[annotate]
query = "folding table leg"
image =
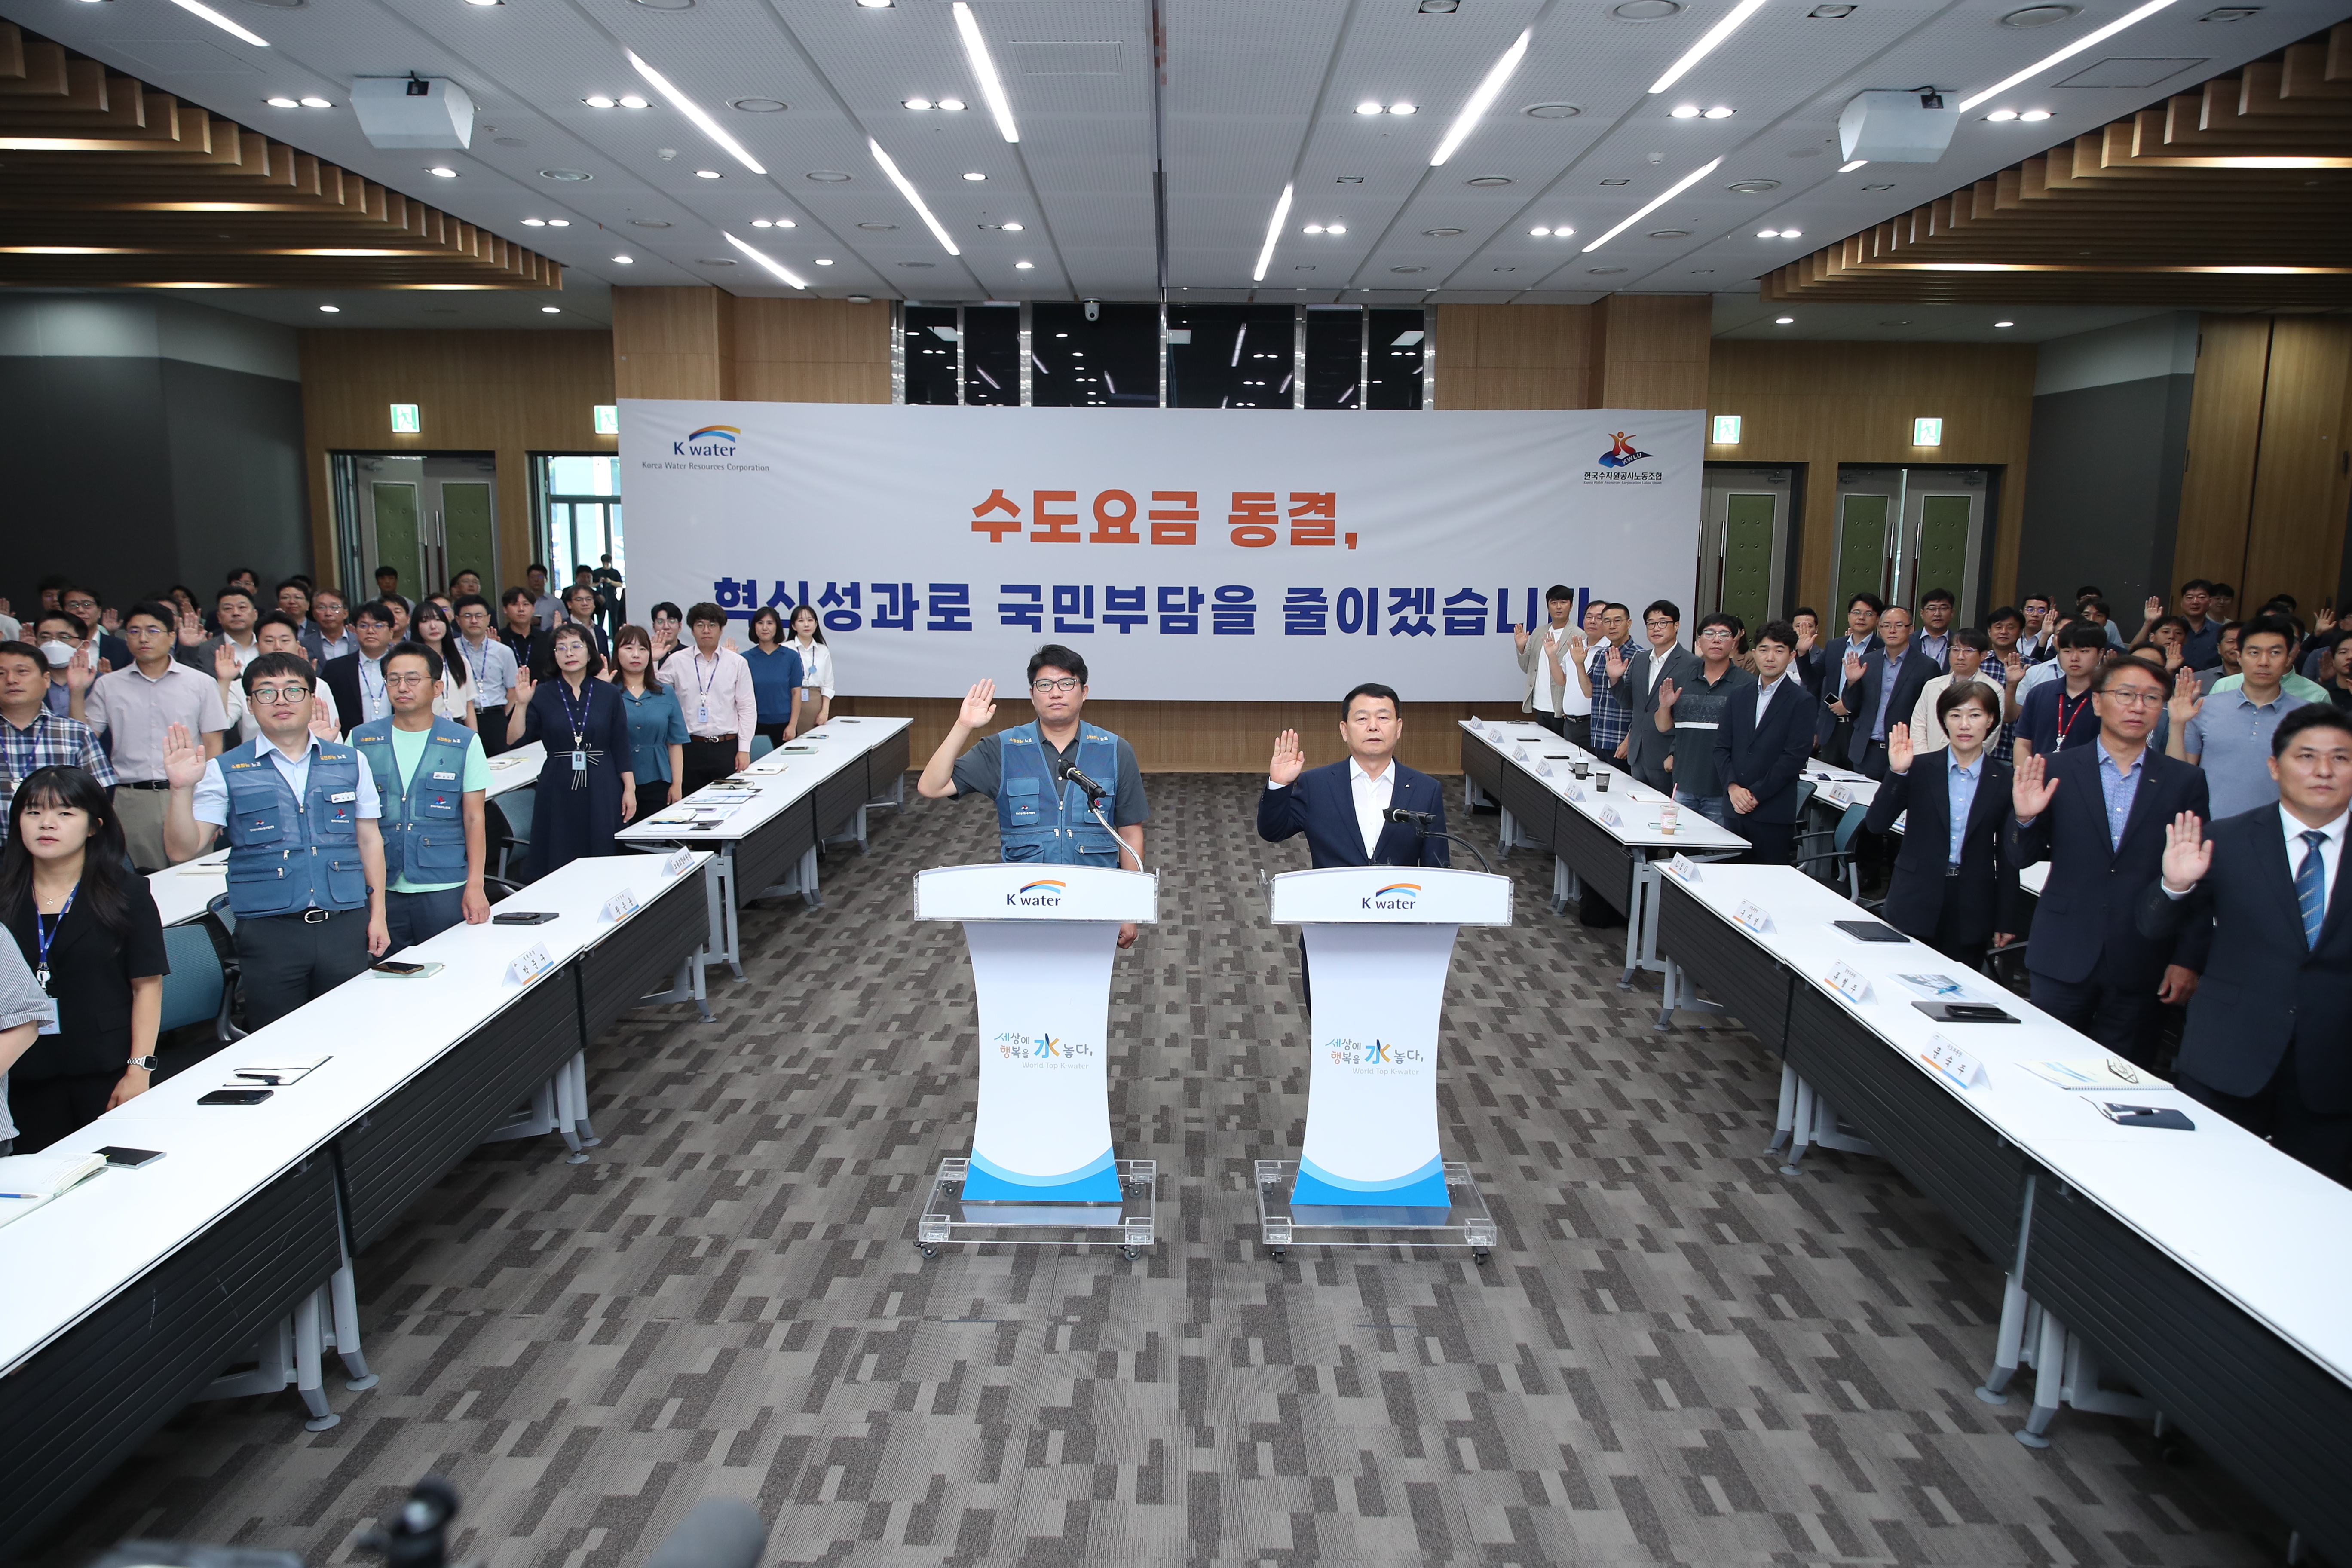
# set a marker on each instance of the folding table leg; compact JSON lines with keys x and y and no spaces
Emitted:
{"x":2009,"y":1342}
{"x":2048,"y":1382}
{"x":578,"y":1067}
{"x":309,"y":1382}
{"x":567,"y":1114}
{"x":1801,"y":1128}
{"x":343,"y":1290}
{"x":1784,"y":1119}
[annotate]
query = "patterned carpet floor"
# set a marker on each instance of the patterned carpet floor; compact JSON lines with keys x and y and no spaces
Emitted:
{"x":1675,"y":1355}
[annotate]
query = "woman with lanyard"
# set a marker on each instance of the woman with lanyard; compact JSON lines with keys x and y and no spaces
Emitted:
{"x":586,"y":790}
{"x":775,"y":675}
{"x":432,"y":627}
{"x":89,"y":929}
{"x":815,"y":704}
{"x":656,"y":723}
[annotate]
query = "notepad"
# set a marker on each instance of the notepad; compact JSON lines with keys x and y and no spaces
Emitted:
{"x":28,"y":1180}
{"x":281,"y":1072}
{"x":2095,"y":1072}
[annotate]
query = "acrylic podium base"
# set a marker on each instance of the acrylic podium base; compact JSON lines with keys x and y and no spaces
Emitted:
{"x":949,"y":1221}
{"x":1465,"y":1221}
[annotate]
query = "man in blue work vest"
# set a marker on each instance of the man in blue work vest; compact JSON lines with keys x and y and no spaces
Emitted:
{"x":1033,"y":773}
{"x":305,"y":859}
{"x":432,"y":777}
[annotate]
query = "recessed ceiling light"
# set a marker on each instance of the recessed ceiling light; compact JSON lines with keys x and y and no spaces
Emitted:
{"x":983,"y":71}
{"x":1368,"y":107}
{"x":283,"y":102}
{"x":534,"y":223}
{"x":1439,"y":7}
{"x":1273,"y":233}
{"x":625,"y":260}
{"x":1336,"y":228}
{"x":2039,"y":15}
{"x":1487,"y":182}
{"x":1753,"y":187}
{"x":874,"y":5}
{"x":1021,"y":266}
{"x":1719,"y":113}
{"x":222,"y":23}
{"x":442,"y":172}
{"x":759,"y":105}
{"x":1551,"y":112}
{"x":485,"y":2}
{"x":1482,"y":99}
{"x":1404,"y":109}
{"x":1706,"y":44}
{"x":547,"y":310}
{"x":1768,"y":234}
{"x":707,"y":175}
{"x":1850,"y":168}
{"x":762,"y":223}
{"x":1682,"y":112}
{"x":1783,"y":321}
{"x":2004,"y":323}
{"x":333,"y":309}
{"x":2034,"y":116}
{"x":918,"y":103}
{"x":648,"y":223}
{"x":1541,"y":231}
{"x":1670,"y":234}
{"x":952,"y":105}
{"x":1792,"y":234}
{"x":1441,"y":233}
{"x":973,"y":174}
{"x":1312,"y":228}
{"x":631,"y":101}
{"x":1647,"y":10}
{"x":694,"y":111}
{"x":559,"y":223}
{"x":2001,"y":116}
{"x":1655,"y":203}
{"x":597,"y":100}
{"x":825,"y":261}
{"x":827,"y":176}
{"x":1011,"y":228}
{"x":568,"y":176}
{"x":316,"y":103}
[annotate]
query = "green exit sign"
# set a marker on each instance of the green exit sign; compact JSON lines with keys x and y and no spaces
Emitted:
{"x":404,"y":421}
{"x":608,"y":419}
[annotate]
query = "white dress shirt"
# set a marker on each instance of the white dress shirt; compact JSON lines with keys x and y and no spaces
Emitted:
{"x":2331,"y":849}
{"x":816,"y":666}
{"x":1764,"y":695}
{"x":1371,"y":796}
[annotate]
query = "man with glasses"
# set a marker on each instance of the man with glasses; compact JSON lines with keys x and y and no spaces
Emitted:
{"x":33,"y":736}
{"x":236,"y":608}
{"x":83,"y":603}
{"x":2098,"y":813}
{"x":713,"y":684}
{"x":357,"y":680}
{"x":1690,"y":712}
{"x":1041,"y":812}
{"x":135,"y":708}
{"x":1635,"y":682}
{"x":433,"y":778}
{"x":490,"y":666}
{"x":2228,"y":734}
{"x":305,"y":862}
{"x":328,"y":635}
{"x":1610,"y":721}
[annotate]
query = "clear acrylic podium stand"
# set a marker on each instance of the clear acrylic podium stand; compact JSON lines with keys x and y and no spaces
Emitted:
{"x":1379,"y":941}
{"x":1041,"y":1172}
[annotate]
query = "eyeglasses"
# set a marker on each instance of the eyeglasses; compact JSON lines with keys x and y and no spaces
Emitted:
{"x":150,"y":630}
{"x":2134,"y":696}
{"x":407,"y":679}
{"x":275,"y":694}
{"x":1068,"y":683}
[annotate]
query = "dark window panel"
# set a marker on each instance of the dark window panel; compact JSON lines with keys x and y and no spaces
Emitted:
{"x":1239,"y":356}
{"x":1112,"y":361}
{"x":992,"y":354}
{"x":1335,"y":364}
{"x":1397,"y":343}
{"x":932,"y":353}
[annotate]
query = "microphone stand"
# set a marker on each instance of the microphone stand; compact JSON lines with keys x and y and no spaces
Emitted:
{"x":1420,"y":821}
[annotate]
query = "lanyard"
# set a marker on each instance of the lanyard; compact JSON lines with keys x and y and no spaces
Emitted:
{"x":2066,"y":720}
{"x":587,"y":706}
{"x":45,"y":934}
{"x":700,"y":685}
{"x":480,"y":665}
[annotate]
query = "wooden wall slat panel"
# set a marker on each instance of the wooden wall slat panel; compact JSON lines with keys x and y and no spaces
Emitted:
{"x":2225,"y":422}
{"x":1652,"y":350}
{"x":506,"y":393}
{"x":673,"y":342}
{"x":1208,"y":737}
{"x":2295,"y":538}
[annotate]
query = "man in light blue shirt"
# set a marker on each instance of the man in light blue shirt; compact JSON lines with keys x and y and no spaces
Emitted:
{"x":2229,"y":732}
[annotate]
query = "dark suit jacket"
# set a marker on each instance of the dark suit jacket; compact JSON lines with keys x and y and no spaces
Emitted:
{"x":1645,"y":756}
{"x":2264,"y":989}
{"x":1766,"y":758}
{"x":1826,"y":675}
{"x":2086,"y":921}
{"x":1320,"y":805}
{"x":1985,"y":892}
{"x":342,"y":678}
{"x":1915,"y":670}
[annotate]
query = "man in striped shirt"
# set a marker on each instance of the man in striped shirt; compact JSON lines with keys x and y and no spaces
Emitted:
{"x":33,"y":737}
{"x":1612,"y":719}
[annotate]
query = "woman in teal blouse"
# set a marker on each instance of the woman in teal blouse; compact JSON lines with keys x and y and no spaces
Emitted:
{"x":656,"y":723}
{"x":775,"y":675}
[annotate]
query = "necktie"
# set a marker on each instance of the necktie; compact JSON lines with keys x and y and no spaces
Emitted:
{"x":2311,"y":888}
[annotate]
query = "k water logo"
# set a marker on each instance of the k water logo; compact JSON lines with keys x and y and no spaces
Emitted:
{"x":1395,"y":895}
{"x":711,"y":441}
{"x":1041,"y":1047}
{"x":1044,"y":895}
{"x":1617,"y":464}
{"x":1379,"y":1054}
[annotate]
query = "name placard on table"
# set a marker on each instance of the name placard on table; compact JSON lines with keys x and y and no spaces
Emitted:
{"x":679,"y":862}
{"x":621,"y":905}
{"x":530,"y":965}
{"x":1848,"y":983}
{"x":1753,"y":917}
{"x":1953,"y":1063}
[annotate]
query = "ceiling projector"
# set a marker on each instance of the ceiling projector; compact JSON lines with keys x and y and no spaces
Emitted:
{"x":413,"y":112}
{"x":1897,"y":127}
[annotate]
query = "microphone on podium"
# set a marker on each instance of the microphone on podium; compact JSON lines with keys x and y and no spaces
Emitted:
{"x":1421,"y":819}
{"x":1093,"y":791}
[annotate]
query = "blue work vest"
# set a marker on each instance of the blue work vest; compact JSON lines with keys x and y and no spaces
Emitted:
{"x":286,"y":853}
{"x":424,"y":822}
{"x":1034,"y":821}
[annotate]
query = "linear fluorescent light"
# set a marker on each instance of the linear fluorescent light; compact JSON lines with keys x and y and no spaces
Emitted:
{"x":1706,"y":45}
{"x":914,"y":197}
{"x":1265,"y":255}
{"x":688,"y":108}
{"x":1483,"y":99}
{"x":1655,"y":203}
{"x":222,"y":23}
{"x":763,"y":258}
{"x":983,"y":71}
{"x":2098,"y":36}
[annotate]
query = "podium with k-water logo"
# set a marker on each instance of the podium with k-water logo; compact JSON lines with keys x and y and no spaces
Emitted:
{"x":1379,"y":941}
{"x":1041,"y":1171}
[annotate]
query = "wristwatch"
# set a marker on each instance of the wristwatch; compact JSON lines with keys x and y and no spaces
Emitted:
{"x":149,"y":1063}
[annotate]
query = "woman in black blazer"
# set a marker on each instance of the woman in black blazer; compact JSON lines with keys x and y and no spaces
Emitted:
{"x":88,"y":926}
{"x":1954,"y":899}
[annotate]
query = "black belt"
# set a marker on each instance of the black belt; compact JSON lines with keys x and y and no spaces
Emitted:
{"x":726,"y":740}
{"x":313,"y":916}
{"x":143,"y":783}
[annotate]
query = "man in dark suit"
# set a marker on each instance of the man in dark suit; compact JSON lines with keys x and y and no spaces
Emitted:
{"x":1343,"y":808}
{"x":1635,"y":683}
{"x":1860,"y":640}
{"x":356,"y":679}
{"x":2096,"y":812}
{"x":1883,"y":690}
{"x":2268,"y":1038}
{"x":1761,"y":746}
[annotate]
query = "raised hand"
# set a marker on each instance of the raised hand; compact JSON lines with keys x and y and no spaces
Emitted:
{"x":183,"y":759}
{"x":1898,"y":749}
{"x":1667,"y":692}
{"x":2032,"y":789}
{"x":320,"y":725}
{"x":979,"y":706}
{"x":225,"y":664}
{"x":2187,"y":700}
{"x":82,"y":669}
{"x":1853,"y":666}
{"x":2155,"y":606}
{"x":1804,"y":643}
{"x":191,"y":629}
{"x":2188,"y":854}
{"x":2324,"y":618}
{"x":1576,"y":649}
{"x":1616,"y":664}
{"x":1520,"y":640}
{"x":110,"y":619}
{"x":1288,"y":759}
{"x":523,"y":687}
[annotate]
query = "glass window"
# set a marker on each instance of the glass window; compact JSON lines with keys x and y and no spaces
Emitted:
{"x":1230,"y":357}
{"x":1397,"y":355}
{"x":1112,"y":361}
{"x":932,"y":353}
{"x":992,"y":354}
{"x":579,"y":501}
{"x":1334,"y":357}
{"x":585,"y":475}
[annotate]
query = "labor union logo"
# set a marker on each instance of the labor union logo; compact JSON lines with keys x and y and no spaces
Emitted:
{"x":1621,"y":453}
{"x":711,"y":441}
{"x":1616,"y":465}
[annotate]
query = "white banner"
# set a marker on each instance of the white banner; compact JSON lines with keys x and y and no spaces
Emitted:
{"x":1187,"y":553}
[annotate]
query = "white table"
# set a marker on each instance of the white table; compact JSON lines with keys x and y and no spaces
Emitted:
{"x":183,"y":892}
{"x":2206,"y":1264}
{"x":800,"y":795}
{"x":1531,"y":774}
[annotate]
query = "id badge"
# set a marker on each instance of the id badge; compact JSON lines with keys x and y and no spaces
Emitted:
{"x":702,"y":714}
{"x":578,"y":761}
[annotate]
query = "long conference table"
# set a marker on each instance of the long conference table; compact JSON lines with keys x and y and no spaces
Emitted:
{"x":127,"y":1296}
{"x":2206,"y":1267}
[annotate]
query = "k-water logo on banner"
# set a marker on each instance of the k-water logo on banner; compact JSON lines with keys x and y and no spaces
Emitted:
{"x":1617,"y":464}
{"x":1043,"y":1049}
{"x":1379,"y":1054}
{"x":719,"y":441}
{"x":1395,"y":895}
{"x":1042,"y":895}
